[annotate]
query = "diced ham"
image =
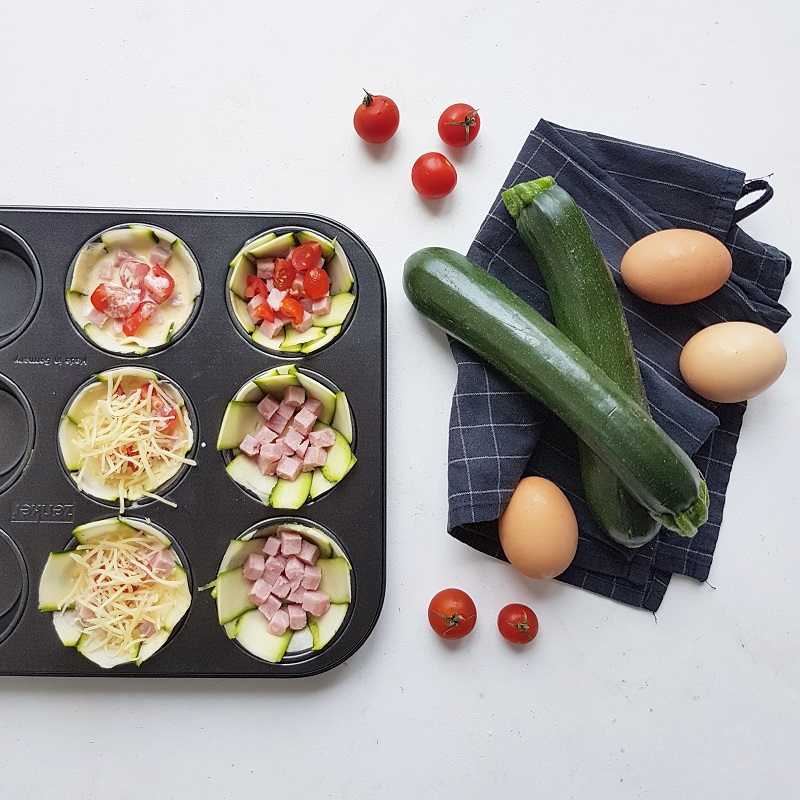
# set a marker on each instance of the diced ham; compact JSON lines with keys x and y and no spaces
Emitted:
{"x":296,"y":595}
{"x":277,"y":560}
{"x":250,"y":445}
{"x":304,"y":323}
{"x":268,"y":406}
{"x":116,"y":326}
{"x":257,"y":301}
{"x":294,"y":396}
{"x":176,"y":300}
{"x":291,"y":543}
{"x":309,"y":552}
{"x":294,"y":439}
{"x":281,"y":587}
{"x":162,"y":562}
{"x":264,"y":435}
{"x":123,"y":255}
{"x":265,"y":268}
{"x":253,"y":566}
{"x":301,"y":450}
{"x":267,"y":466}
{"x":307,"y":304}
{"x":316,"y":603}
{"x":279,"y":623}
{"x":146,"y":628}
{"x":84,"y":613}
{"x":273,"y":451}
{"x":297,"y":285}
{"x":304,"y":420}
{"x":314,"y":457}
{"x":313,"y":405}
{"x":271,"y":573}
{"x":270,"y":606}
{"x":269,"y":330}
{"x":106,"y":271}
{"x":289,"y":467}
{"x":277,"y":423}
{"x":321,"y":306}
{"x":324,"y":437}
{"x":286,"y":410}
{"x":297,"y":617}
{"x":296,"y":583}
{"x":96,"y":317}
{"x":159,"y":256}
{"x":275,"y":298}
{"x":312,"y":578}
{"x":259,"y":591}
{"x":272,"y":546}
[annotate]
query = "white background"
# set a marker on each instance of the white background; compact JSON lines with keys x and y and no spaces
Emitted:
{"x":249,"y":105}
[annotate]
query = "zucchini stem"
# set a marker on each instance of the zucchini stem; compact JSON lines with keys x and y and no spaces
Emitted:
{"x":520,"y":195}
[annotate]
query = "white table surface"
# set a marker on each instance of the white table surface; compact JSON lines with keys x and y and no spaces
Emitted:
{"x":248,"y":106}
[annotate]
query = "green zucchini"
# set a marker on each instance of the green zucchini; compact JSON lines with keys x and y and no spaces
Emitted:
{"x":587,"y":308}
{"x":489,"y":318}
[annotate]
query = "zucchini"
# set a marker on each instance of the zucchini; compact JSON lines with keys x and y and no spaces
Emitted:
{"x":489,"y":318}
{"x":587,"y":308}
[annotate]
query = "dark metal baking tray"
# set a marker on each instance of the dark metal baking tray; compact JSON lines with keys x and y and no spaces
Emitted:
{"x":44,"y":358}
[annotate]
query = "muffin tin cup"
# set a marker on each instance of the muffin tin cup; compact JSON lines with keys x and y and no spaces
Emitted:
{"x":20,"y":285}
{"x":49,"y":359}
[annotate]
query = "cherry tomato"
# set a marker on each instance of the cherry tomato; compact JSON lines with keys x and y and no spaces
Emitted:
{"x":264,"y":312}
{"x":132,"y":273}
{"x":306,"y":256}
{"x":518,"y":623}
{"x":316,"y":283}
{"x":255,"y":285}
{"x":115,"y":301}
{"x":459,"y":125}
{"x":452,"y":613}
{"x":433,"y":176}
{"x":283,"y":277}
{"x":145,"y":310}
{"x":377,"y":118}
{"x":159,"y":283}
{"x":292,"y":309}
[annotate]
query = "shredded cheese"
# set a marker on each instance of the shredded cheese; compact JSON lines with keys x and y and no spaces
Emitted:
{"x":120,"y":602}
{"x":135,"y":438}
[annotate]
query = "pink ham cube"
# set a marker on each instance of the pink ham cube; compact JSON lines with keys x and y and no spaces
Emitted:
{"x":250,"y":445}
{"x":291,"y":543}
{"x":259,"y":592}
{"x":253,"y":566}
{"x":268,"y":406}
{"x":297,"y":617}
{"x":286,"y":410}
{"x":313,"y":405}
{"x":270,"y":329}
{"x":272,"y":451}
{"x":312,"y":578}
{"x":277,"y":423}
{"x":265,"y":268}
{"x":309,"y":553}
{"x":304,"y":420}
{"x":316,"y":603}
{"x":271,"y":573}
{"x":277,"y":561}
{"x":295,"y":583}
{"x":294,"y":396}
{"x":264,"y":435}
{"x":314,"y":457}
{"x":294,"y":439}
{"x":324,"y":437}
{"x":321,"y":306}
{"x":307,"y":304}
{"x":253,"y":305}
{"x":289,"y":467}
{"x":281,"y":587}
{"x":296,"y":595}
{"x":279,"y":623}
{"x":162,"y":562}
{"x":275,"y":298}
{"x":272,"y":546}
{"x":270,"y":606}
{"x":304,"y":323}
{"x":294,"y":568}
{"x":266,"y":465}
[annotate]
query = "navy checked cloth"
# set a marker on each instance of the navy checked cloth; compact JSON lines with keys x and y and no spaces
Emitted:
{"x":498,"y":434}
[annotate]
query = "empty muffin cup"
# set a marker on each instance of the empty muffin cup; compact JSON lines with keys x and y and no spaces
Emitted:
{"x":20,"y":285}
{"x":13,"y":585}
{"x":16,"y":432}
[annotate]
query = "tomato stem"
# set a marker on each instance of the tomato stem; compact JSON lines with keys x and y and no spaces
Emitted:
{"x":367,"y":101}
{"x":467,"y":123}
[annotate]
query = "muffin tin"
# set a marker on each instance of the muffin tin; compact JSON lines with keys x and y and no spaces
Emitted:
{"x":44,"y":359}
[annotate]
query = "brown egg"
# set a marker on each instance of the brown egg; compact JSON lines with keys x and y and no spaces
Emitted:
{"x":538,"y":529}
{"x":676,"y":266}
{"x":732,"y":361}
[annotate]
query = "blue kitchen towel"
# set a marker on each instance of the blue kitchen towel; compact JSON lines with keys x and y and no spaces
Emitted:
{"x":499,"y":434}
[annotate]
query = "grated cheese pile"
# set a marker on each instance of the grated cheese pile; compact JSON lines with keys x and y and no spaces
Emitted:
{"x":117,"y":591}
{"x":129,"y":440}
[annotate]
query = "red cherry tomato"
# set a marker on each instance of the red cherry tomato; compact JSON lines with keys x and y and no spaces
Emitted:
{"x":146,"y":309}
{"x":159,"y":283}
{"x":132,"y":274}
{"x":377,"y":118}
{"x":306,"y":256}
{"x":452,"y":613}
{"x":115,"y":301}
{"x":316,"y":283}
{"x":433,"y":176}
{"x":459,"y":125}
{"x":283,"y":277}
{"x":264,"y":312}
{"x":518,"y":623}
{"x":292,"y":309}
{"x":255,"y":285}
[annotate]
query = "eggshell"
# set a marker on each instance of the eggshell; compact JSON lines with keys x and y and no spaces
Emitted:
{"x":732,"y":361}
{"x":538,"y":529}
{"x":676,"y":266}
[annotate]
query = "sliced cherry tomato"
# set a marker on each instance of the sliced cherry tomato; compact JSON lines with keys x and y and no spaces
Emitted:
{"x":283,"y":277}
{"x":459,"y":125}
{"x":255,"y":285}
{"x":264,"y":312}
{"x":377,"y":118}
{"x":131,"y":451}
{"x":316,"y":283}
{"x":159,"y":283}
{"x":452,"y":613}
{"x":132,"y":274}
{"x":292,"y":309}
{"x":145,"y":310}
{"x":433,"y":176}
{"x":115,"y":301}
{"x":518,"y":623}
{"x":306,"y":256}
